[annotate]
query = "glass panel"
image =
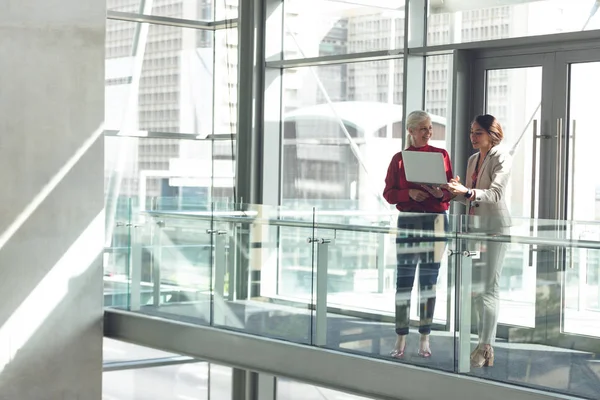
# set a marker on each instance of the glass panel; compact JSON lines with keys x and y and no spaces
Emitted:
{"x":342,"y":125}
{"x":184,"y":381}
{"x":582,"y":286}
{"x":224,"y":9}
{"x":258,"y":287}
{"x":162,"y":80}
{"x":582,"y":277}
{"x":315,"y":28}
{"x":543,"y":358}
{"x":383,"y":282}
{"x":203,"y":10}
{"x":226,"y":80}
{"x":457,"y":21}
{"x":176,"y":265}
{"x":117,"y":253}
{"x":514,"y":98}
{"x":183,"y":174}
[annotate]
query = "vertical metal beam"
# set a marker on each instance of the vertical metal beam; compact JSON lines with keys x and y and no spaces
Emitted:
{"x":250,"y":385}
{"x":267,"y":387}
{"x":251,"y":69}
{"x":220,"y":262}
{"x":135,"y":267}
{"x":238,"y":384}
{"x":321,"y":308}
{"x":415,"y":33}
{"x":464,"y":334}
{"x":250,"y":100}
{"x":460,"y":115}
{"x":272,"y":144}
{"x":156,"y":235}
{"x":381,"y":247}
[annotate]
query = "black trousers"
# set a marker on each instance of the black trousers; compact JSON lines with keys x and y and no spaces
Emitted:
{"x":416,"y":248}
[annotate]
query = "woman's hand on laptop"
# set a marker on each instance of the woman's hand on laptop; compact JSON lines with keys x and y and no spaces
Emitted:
{"x":417,"y":195}
{"x":435,"y":191}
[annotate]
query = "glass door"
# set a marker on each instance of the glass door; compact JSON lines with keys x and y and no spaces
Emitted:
{"x":576,"y":89}
{"x":546,"y":105}
{"x":514,"y":90}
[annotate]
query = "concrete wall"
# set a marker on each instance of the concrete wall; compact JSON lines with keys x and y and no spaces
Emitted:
{"x":51,"y":198}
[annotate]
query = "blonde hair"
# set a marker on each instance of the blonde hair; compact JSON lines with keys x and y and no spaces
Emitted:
{"x":412,"y":122}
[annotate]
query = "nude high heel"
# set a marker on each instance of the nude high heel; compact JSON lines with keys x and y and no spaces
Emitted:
{"x":483,"y":356}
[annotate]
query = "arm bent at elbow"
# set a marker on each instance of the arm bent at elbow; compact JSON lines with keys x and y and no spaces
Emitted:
{"x":500,"y":176}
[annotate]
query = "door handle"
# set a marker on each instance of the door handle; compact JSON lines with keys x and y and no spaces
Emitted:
{"x":559,"y":145}
{"x":573,"y":147}
{"x":536,"y":137}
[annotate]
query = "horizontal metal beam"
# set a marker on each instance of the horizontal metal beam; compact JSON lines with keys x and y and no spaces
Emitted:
{"x":167,"y":135}
{"x":249,"y":217}
{"x":224,"y":24}
{"x":150,"y":363}
{"x":370,"y":377}
{"x":180,"y":22}
{"x":527,"y":44}
{"x":518,"y":45}
{"x":378,"y":55}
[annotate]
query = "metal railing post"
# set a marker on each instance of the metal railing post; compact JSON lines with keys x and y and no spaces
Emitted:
{"x":156,"y":233}
{"x":321,"y":307}
{"x":135,"y":258}
{"x":464,"y":334}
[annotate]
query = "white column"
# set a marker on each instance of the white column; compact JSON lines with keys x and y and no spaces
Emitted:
{"x":51,"y":212}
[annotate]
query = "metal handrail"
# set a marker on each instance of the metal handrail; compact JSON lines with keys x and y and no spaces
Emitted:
{"x":246,"y":217}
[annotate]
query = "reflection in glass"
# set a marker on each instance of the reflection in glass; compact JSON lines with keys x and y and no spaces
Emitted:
{"x":456,"y":21}
{"x":582,"y":273}
{"x":342,"y":123}
{"x":513,"y":96}
{"x":438,"y":82}
{"x":162,"y":79}
{"x":185,"y":174}
{"x":317,"y":28}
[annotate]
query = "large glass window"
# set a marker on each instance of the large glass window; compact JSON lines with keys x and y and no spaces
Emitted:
{"x":342,"y":124}
{"x":315,"y":28}
{"x":170,"y":120}
{"x":159,"y":78}
{"x":456,"y":21}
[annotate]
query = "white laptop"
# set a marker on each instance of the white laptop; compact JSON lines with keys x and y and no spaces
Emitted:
{"x":424,"y":167}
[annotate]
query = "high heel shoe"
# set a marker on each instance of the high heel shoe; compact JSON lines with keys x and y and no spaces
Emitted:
{"x":482,"y":357}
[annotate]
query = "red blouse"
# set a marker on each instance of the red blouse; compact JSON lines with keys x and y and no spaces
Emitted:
{"x":397,"y":187}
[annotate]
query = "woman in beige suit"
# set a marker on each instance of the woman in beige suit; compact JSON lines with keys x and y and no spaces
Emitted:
{"x":488,"y":172}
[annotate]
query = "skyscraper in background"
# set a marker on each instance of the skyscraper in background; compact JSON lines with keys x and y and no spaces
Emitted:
{"x":188,"y":85}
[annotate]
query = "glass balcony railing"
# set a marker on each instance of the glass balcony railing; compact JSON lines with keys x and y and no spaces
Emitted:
{"x":351,"y":281}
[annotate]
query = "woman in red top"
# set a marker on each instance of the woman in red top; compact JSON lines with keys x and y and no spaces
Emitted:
{"x":412,"y":250}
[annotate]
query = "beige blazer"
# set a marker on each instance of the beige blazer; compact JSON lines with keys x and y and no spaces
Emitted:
{"x":489,"y":204}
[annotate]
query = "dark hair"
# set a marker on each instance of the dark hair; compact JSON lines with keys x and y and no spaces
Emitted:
{"x":492,"y":126}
